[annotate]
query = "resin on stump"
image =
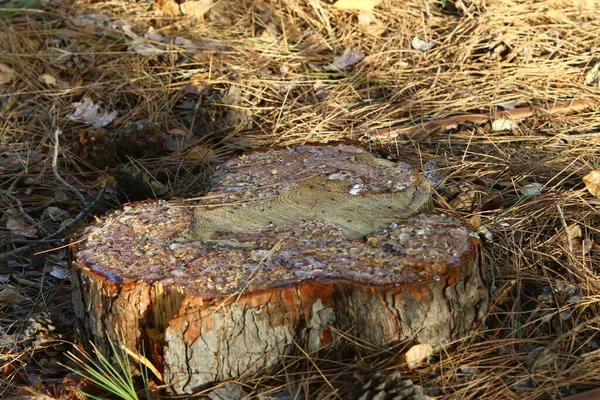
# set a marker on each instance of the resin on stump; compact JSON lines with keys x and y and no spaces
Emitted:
{"x":289,"y":247}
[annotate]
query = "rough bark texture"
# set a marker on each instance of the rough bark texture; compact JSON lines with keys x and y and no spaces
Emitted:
{"x":290,"y":247}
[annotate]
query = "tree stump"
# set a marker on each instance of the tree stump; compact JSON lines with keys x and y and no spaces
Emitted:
{"x":289,"y":248}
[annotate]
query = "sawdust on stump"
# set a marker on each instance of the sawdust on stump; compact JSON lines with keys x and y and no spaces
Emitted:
{"x":291,"y":247}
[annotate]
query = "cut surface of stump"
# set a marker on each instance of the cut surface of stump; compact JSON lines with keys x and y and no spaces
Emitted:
{"x":289,"y":248}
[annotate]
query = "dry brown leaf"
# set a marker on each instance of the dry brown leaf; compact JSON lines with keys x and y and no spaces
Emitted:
{"x":592,"y":78}
{"x":178,"y":132}
{"x":503,"y":294}
{"x":584,"y":246}
{"x":575,"y":231}
{"x":146,"y":49}
{"x":47,"y":79}
{"x":59,"y":272}
{"x":362,"y":5}
{"x":475,"y":221}
{"x":196,"y":9}
{"x":504,"y":125}
{"x":532,"y":189}
{"x":345,"y":61}
{"x":11,"y":295}
{"x":200,"y":153}
{"x":592,"y":183}
{"x":15,"y":159}
{"x":91,"y":114}
{"x":421,"y":45}
{"x":6,"y":74}
{"x":18,"y":226}
{"x":417,"y":354}
{"x":168,"y":7}
{"x":580,"y":245}
{"x":365,"y":17}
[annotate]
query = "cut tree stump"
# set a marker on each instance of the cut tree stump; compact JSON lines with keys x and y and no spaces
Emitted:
{"x":290,"y":248}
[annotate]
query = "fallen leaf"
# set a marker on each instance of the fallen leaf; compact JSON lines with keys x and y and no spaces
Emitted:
{"x":365,"y":16}
{"x":507,"y":106}
{"x":18,"y":226}
{"x":47,"y":79}
{"x":201,"y":153}
{"x":503,"y":294}
{"x":544,"y":356}
{"x":314,"y":39}
{"x":178,"y":132}
{"x":584,"y":246}
{"x":503,"y":125}
{"x":55,"y":214}
{"x":168,"y":7}
{"x":59,"y":272}
{"x":475,"y":221}
{"x":532,"y":189}
{"x":11,"y":295}
{"x":592,"y":78}
{"x":577,"y":242}
{"x":157,"y":188}
{"x":321,"y":90}
{"x":17,"y":158}
{"x":345,"y":61}
{"x":362,"y":5}
{"x":196,"y":9}
{"x":592,"y":183}
{"x":434,"y":175}
{"x":7,"y":74}
{"x":102,"y":20}
{"x":421,"y":45}
{"x":417,"y":354}
{"x":91,"y":114}
{"x":146,"y":49}
{"x":575,"y":231}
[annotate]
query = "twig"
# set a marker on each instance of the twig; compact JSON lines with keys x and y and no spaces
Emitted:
{"x":558,"y":108}
{"x":591,"y":135}
{"x":65,"y":228}
{"x":36,"y":241}
{"x":88,"y":207}
{"x":15,"y":252}
{"x":59,"y":178}
{"x":569,"y":242}
{"x":575,"y":329}
{"x":86,"y":211}
{"x":565,"y":227}
{"x":29,"y":190}
{"x":28,"y":218}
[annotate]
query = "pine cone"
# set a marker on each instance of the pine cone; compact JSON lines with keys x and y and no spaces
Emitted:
{"x":388,"y":387}
{"x":141,"y":139}
{"x":96,"y":147}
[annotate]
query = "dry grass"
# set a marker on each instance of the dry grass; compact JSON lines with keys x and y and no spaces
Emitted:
{"x":257,"y":78}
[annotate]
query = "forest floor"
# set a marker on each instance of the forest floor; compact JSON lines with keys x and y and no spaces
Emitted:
{"x":106,"y":102}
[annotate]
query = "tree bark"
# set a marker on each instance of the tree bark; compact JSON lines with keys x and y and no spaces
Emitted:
{"x":290,"y":248}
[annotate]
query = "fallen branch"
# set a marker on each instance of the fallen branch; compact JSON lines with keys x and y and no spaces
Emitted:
{"x":555,"y":342}
{"x":558,"y":108}
{"x":64,"y":229}
{"x":59,"y":178}
{"x":88,"y":207}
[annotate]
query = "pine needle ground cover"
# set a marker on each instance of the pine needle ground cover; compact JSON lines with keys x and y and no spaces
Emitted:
{"x":105,"y":102}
